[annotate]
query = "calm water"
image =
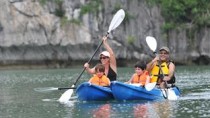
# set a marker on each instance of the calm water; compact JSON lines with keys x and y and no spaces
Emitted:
{"x":19,"y":98}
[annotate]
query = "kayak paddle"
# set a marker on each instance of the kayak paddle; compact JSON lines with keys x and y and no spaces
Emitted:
{"x":150,"y":86}
{"x":116,"y":21}
{"x":152,"y":43}
{"x":48,"y":89}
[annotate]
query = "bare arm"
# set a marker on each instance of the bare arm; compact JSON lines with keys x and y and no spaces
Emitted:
{"x":109,"y":82}
{"x":129,"y":81}
{"x":147,"y":80}
{"x":90,"y":80}
{"x":88,"y":69}
{"x":113,"y":62}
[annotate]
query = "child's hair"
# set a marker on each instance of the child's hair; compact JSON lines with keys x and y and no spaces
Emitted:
{"x":100,"y":68}
{"x":140,"y":65}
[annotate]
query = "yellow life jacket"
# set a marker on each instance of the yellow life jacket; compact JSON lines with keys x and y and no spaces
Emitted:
{"x":103,"y":81}
{"x":155,"y":72}
{"x":140,"y":79}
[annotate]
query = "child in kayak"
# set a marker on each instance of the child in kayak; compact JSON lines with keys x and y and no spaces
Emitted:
{"x":141,"y":75}
{"x":100,"y":78}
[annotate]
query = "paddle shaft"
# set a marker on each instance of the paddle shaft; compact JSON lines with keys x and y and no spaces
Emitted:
{"x":161,"y":71}
{"x":166,"y":84}
{"x":64,"y":88}
{"x":168,"y":94}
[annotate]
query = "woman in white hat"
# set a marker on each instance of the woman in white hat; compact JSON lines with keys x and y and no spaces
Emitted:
{"x":108,"y":59}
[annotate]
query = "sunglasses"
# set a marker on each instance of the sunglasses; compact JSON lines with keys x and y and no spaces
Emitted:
{"x":163,"y":52}
{"x":104,"y":57}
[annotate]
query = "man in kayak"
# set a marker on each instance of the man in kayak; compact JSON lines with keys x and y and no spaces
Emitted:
{"x":162,"y":69}
{"x":141,"y":75}
{"x":108,"y":59}
{"x":99,"y":78}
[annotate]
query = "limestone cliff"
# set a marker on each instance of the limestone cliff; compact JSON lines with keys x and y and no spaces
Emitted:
{"x":62,"y":32}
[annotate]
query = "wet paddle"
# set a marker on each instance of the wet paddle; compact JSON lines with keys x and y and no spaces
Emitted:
{"x":116,"y":21}
{"x":150,"y":86}
{"x":167,"y":93}
{"x":48,"y":89}
{"x":152,"y":43}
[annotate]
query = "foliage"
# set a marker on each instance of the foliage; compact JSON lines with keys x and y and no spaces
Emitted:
{"x":65,"y":21}
{"x":128,"y":16}
{"x":59,"y":11}
{"x":93,"y":6}
{"x":130,"y":39}
{"x":42,"y":2}
{"x":167,"y":26}
{"x":178,"y":12}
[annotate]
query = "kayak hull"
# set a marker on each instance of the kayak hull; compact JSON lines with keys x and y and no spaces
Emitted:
{"x":122,"y":91}
{"x":90,"y":92}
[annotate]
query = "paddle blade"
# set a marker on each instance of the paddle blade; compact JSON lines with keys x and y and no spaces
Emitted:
{"x":151,"y":42}
{"x":135,"y":84}
{"x":116,"y":20}
{"x":150,"y":86}
{"x":169,"y":94}
{"x":65,"y":97}
{"x":172,"y":95}
{"x":45,"y":89}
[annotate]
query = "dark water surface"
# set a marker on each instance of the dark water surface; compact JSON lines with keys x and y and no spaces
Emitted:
{"x":21,"y":96}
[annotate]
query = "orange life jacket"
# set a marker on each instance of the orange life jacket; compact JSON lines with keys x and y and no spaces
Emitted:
{"x":103,"y":81}
{"x":140,"y":79}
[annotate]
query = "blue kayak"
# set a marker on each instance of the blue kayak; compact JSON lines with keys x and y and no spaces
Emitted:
{"x":91,"y":92}
{"x":122,"y":91}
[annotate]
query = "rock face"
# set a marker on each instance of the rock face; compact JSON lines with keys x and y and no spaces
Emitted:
{"x":32,"y":32}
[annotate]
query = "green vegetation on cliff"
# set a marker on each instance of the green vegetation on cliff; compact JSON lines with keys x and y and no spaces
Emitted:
{"x":176,"y":13}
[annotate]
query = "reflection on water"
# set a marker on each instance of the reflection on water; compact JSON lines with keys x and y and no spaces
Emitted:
{"x":95,"y":110}
{"x":22,"y":96}
{"x":103,"y":111}
{"x":128,"y":109}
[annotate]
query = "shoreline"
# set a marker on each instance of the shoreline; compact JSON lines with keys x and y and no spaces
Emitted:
{"x":56,"y":64}
{"x":63,"y":64}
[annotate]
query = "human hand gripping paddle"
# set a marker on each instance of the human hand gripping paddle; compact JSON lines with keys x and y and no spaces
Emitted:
{"x":169,"y":94}
{"x":116,"y":21}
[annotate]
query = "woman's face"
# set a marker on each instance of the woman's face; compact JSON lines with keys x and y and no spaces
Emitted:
{"x":104,"y":59}
{"x":164,"y":55}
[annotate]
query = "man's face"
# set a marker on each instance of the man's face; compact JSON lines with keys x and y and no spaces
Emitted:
{"x":164,"y":55}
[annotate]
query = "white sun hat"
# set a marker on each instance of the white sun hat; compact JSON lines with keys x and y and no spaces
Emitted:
{"x":105,"y":53}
